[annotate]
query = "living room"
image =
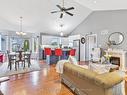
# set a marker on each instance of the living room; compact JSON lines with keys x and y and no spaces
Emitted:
{"x":63,"y":47}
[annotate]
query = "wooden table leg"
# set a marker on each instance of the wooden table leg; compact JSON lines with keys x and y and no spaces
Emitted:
{"x":10,"y":65}
{"x":15,"y":65}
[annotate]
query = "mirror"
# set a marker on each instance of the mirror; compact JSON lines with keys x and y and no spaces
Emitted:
{"x":116,"y":38}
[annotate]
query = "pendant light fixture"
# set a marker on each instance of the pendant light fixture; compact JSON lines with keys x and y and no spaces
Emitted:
{"x":20,"y":28}
{"x":61,"y":32}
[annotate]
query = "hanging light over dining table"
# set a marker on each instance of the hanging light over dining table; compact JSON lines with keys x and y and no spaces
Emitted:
{"x":20,"y":32}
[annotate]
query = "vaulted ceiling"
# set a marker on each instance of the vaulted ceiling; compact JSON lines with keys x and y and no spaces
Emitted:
{"x":38,"y":19}
{"x":97,"y":5}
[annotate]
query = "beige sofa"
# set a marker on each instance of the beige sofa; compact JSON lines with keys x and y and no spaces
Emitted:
{"x":85,"y":82}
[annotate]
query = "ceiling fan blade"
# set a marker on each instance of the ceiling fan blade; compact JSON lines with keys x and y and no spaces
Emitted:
{"x":55,"y":11}
{"x":71,"y":8}
{"x":61,"y":16}
{"x":69,"y":13}
{"x":59,"y":7}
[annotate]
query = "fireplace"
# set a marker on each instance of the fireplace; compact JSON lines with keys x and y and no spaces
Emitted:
{"x":118,"y":57}
{"x":115,"y":60}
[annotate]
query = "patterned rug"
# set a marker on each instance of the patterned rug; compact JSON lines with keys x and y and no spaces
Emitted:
{"x":5,"y":71}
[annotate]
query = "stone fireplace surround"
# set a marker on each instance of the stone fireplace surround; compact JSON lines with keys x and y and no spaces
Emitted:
{"x":119,"y":54}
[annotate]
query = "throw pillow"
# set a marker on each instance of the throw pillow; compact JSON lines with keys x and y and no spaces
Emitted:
{"x":73,"y":60}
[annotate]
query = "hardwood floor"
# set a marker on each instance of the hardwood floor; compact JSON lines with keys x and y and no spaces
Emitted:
{"x":44,"y":82}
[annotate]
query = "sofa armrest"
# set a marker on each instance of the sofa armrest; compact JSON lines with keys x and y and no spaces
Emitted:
{"x":111,"y":79}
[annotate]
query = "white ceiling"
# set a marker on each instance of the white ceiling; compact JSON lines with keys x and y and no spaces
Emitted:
{"x":96,"y":5}
{"x":37,"y":17}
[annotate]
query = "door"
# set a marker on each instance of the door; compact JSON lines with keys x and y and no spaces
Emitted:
{"x":76,"y":45}
{"x":91,"y":43}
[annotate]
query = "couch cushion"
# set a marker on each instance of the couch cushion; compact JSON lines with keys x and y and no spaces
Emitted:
{"x":78,"y":71}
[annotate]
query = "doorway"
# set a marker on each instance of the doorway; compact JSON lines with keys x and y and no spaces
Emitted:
{"x":76,"y":45}
{"x":91,"y":42}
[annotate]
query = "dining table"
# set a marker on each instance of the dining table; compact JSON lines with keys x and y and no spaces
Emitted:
{"x":20,"y":52}
{"x":19,"y":57}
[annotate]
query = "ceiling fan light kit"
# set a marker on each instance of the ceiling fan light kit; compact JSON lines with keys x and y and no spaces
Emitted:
{"x":63,"y":10}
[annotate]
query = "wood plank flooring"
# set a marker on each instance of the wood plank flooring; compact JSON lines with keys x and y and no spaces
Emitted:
{"x":44,"y":82}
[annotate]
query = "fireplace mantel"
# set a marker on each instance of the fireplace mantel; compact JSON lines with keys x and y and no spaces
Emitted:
{"x":121,"y":54}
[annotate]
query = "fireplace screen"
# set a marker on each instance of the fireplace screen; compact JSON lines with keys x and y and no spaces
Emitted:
{"x":115,"y":60}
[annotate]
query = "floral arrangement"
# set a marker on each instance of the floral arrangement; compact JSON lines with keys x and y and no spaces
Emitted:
{"x":105,"y":59}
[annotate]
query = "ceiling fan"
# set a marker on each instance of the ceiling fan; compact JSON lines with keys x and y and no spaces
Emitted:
{"x":63,"y":10}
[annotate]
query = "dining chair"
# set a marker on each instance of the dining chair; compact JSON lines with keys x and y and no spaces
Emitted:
{"x":20,"y":59}
{"x":27,"y":57}
{"x":11,"y":60}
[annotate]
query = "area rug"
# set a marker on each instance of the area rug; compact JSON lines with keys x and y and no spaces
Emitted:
{"x":5,"y":71}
